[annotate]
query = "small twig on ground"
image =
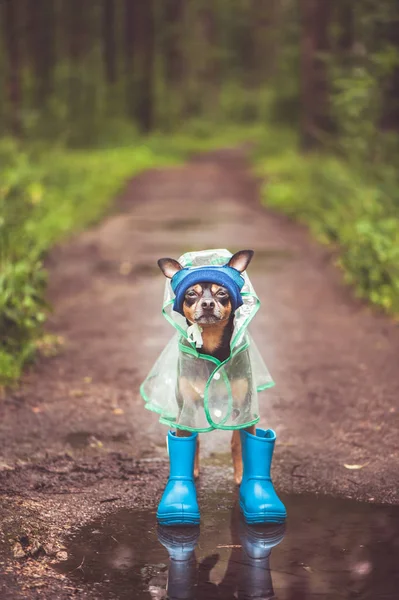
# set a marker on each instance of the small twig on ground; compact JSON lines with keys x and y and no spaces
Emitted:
{"x":110,"y":499}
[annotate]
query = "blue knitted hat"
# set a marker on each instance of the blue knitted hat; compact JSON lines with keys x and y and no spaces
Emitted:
{"x":226,"y":276}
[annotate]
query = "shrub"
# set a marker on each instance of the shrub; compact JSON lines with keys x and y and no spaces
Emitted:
{"x":355,"y":210}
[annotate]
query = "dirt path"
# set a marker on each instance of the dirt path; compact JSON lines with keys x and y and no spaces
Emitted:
{"x":74,"y":436}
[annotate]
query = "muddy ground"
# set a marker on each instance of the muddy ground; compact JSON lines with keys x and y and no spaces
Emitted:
{"x":75,"y":440}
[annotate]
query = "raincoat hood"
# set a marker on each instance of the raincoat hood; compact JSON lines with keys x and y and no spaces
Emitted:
{"x":194,"y":391}
{"x":210,"y":263}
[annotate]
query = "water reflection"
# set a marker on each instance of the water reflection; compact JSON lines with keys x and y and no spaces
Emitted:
{"x":332,"y":550}
{"x":248,"y":569}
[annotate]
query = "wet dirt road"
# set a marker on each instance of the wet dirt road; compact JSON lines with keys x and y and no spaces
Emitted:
{"x":75,"y":440}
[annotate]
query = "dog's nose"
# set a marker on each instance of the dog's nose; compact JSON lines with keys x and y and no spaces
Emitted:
{"x":208,"y":304}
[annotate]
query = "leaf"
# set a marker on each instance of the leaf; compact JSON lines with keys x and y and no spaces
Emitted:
{"x":355,"y":467}
{"x":308,"y":569}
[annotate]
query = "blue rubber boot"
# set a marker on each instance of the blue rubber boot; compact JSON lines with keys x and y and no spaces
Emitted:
{"x":259,"y":502}
{"x":178,"y":504}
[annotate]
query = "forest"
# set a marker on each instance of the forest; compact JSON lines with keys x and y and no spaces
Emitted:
{"x":94,"y":92}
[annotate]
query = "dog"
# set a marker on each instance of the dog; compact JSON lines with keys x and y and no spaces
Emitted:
{"x":208,"y":305}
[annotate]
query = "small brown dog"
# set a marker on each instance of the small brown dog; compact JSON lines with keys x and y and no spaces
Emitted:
{"x":209,"y":305}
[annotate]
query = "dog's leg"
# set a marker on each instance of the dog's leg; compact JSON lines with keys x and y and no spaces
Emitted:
{"x":184,"y":433}
{"x":236,"y":452}
{"x":236,"y":455}
{"x":197,"y":460}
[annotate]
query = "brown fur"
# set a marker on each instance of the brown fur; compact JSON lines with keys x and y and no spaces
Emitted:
{"x":212,"y":337}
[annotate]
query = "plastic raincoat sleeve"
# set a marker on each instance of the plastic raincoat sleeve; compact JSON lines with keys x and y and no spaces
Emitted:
{"x":195,"y":391}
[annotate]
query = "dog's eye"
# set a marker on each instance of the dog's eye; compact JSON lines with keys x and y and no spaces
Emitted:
{"x":221,"y":294}
{"x":191,"y":294}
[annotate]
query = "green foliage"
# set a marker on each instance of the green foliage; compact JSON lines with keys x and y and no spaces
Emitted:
{"x":22,"y":313}
{"x":355,"y":210}
{"x":45,"y":196}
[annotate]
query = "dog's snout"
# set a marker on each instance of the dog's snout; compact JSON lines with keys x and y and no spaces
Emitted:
{"x":208,"y":304}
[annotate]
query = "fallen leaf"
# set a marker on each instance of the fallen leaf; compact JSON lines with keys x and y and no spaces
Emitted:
{"x":5,"y":467}
{"x":18,"y":551}
{"x":125,"y":268}
{"x":76,"y":393}
{"x":308,"y":569}
{"x":87,"y":379}
{"x":118,"y":411}
{"x":96,"y":444}
{"x":37,"y":409}
{"x":355,"y":467}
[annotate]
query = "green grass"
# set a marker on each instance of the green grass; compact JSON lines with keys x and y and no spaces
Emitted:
{"x":356,"y":209}
{"x":47,"y":194}
{"x":44,"y":197}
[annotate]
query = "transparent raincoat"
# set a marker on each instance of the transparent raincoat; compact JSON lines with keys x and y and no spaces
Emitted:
{"x":195,"y":391}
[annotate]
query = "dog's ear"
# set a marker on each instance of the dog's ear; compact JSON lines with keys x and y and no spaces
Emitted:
{"x":169,"y":267}
{"x":240,"y":260}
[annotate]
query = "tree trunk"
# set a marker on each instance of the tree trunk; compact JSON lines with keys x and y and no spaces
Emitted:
{"x":346,"y":35}
{"x":390,"y":117}
{"x":139,"y":61}
{"x":109,"y":43}
{"x":172,"y":45}
{"x":145,"y":65}
{"x":264,"y":32}
{"x":12,"y":54}
{"x":43,"y":49}
{"x":315,"y":19}
{"x":77,"y":27}
{"x":129,"y":51}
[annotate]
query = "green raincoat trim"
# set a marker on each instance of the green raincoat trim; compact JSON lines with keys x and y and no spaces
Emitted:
{"x":197,"y":392}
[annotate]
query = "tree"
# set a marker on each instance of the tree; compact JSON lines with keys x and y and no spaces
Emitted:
{"x":139,"y":61}
{"x":172,"y":19}
{"x":108,"y":38}
{"x":12,"y":52}
{"x":43,"y":49}
{"x":315,"y":117}
{"x":129,"y":47}
{"x":145,"y":65}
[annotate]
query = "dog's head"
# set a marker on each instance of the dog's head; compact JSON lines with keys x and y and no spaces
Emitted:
{"x":207,"y":302}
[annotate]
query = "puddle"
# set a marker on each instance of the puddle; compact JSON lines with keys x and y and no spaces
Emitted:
{"x":150,"y":225}
{"x":330,"y":549}
{"x":79,"y":439}
{"x":218,"y":459}
{"x":182,"y":224}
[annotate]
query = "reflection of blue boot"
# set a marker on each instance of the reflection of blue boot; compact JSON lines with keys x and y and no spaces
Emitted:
{"x":258,"y":540}
{"x":178,"y":504}
{"x":257,"y":543}
{"x":259,"y":502}
{"x":180,"y":544}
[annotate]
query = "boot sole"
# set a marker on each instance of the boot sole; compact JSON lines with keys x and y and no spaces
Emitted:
{"x":176,"y":519}
{"x":262,"y":518}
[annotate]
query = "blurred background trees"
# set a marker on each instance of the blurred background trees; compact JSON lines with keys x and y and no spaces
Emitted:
{"x":95,"y":91}
{"x":75,"y":69}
